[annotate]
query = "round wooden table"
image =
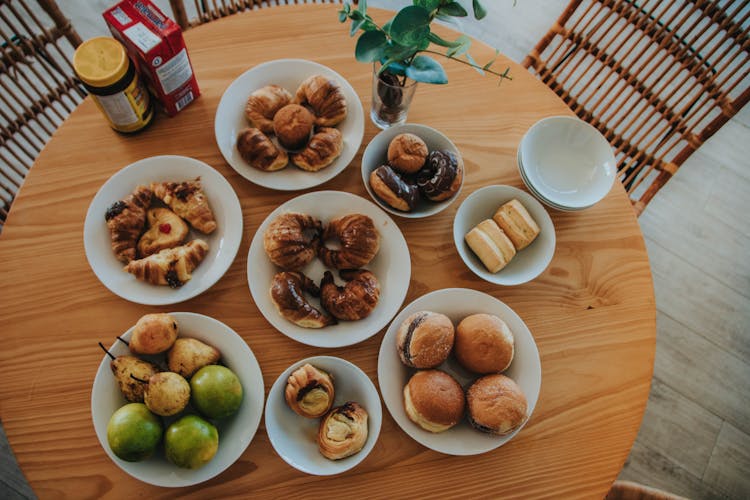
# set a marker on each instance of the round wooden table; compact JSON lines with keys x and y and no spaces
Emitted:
{"x":591,"y":312}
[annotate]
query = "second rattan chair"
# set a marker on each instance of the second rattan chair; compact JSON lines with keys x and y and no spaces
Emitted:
{"x":657,"y":78}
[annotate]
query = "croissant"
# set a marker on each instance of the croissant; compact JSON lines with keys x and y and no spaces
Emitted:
{"x":260,"y":152}
{"x":324,"y":147}
{"x":309,"y":391}
{"x":165,"y":230}
{"x":125,"y":220}
{"x":287,"y":294}
{"x":263,"y":104}
{"x":326,"y":99}
{"x":355,"y":300}
{"x":286,"y":243}
{"x":188,"y":201}
{"x":171,"y":266}
{"x":343,"y":431}
{"x":359,"y":242}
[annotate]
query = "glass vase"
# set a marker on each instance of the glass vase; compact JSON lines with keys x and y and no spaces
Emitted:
{"x":391,"y":98}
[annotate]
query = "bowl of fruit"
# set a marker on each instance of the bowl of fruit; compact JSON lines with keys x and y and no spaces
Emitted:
{"x":177,"y":399}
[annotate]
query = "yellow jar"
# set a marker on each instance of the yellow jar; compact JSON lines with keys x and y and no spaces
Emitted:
{"x":103,"y":66}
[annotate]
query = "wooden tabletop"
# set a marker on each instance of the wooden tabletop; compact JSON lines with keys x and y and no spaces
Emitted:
{"x":591,"y":312}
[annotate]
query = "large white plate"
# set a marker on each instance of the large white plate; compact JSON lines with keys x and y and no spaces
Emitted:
{"x":391,"y":266}
{"x":223,"y":242}
{"x":457,"y":303}
{"x":235,"y":432}
{"x":288,"y":73}
{"x":295,"y":438}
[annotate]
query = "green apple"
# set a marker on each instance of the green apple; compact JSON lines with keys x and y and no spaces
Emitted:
{"x":133,"y":432}
{"x":191,"y":442}
{"x":216,"y":391}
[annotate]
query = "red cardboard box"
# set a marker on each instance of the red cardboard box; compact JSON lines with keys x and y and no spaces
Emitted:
{"x":155,"y":44}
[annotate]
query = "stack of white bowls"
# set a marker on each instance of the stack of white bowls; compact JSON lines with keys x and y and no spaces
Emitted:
{"x":566,"y":163}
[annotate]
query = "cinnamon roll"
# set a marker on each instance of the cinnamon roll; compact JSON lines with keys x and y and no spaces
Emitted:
{"x":309,"y":391}
{"x":343,"y":431}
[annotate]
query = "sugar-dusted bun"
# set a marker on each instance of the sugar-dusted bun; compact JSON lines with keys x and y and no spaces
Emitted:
{"x":407,"y":153}
{"x":434,"y":400}
{"x":425,"y":339}
{"x":496,"y":404}
{"x":491,"y":245}
{"x":484,"y":344}
{"x":393,"y":189}
{"x":293,"y":125}
{"x":516,"y":222}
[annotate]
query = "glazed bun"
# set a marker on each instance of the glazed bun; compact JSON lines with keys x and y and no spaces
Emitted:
{"x":293,"y":125}
{"x":407,"y":153}
{"x":484,"y":344}
{"x":425,"y":339}
{"x":434,"y":400}
{"x":496,"y":404}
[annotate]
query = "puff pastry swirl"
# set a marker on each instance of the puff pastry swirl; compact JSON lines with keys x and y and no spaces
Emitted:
{"x":187,"y":200}
{"x":309,"y":391}
{"x":343,"y":431}
{"x":125,"y":220}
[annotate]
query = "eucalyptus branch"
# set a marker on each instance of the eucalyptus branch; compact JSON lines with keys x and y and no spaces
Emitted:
{"x":504,"y":74}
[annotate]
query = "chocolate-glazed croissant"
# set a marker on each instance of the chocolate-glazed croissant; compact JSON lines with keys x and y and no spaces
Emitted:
{"x":125,"y":220}
{"x":354,"y":301}
{"x":263,"y":104}
{"x":324,"y":147}
{"x":288,"y":242}
{"x":326,"y":99}
{"x":259,"y":151}
{"x":287,"y":294}
{"x":309,"y":391}
{"x":343,"y":431}
{"x":359,"y":240}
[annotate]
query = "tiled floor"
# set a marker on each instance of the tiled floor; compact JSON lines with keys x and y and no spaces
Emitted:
{"x":695,"y":436}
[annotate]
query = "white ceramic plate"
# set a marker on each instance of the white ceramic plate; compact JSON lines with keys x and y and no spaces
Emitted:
{"x":223,"y":242}
{"x":235,"y":432}
{"x":376,"y":154}
{"x":295,"y":438}
{"x":457,"y":303}
{"x":288,"y":73}
{"x":528,"y":263}
{"x":391,"y":266}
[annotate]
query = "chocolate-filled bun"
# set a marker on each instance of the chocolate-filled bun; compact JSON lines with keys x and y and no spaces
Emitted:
{"x":441,"y":176}
{"x":496,"y":404}
{"x":425,"y":339}
{"x":393,"y":189}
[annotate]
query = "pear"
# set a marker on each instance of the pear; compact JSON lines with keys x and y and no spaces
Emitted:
{"x":187,"y":356}
{"x":153,"y":334}
{"x":167,"y":393}
{"x":125,"y":368}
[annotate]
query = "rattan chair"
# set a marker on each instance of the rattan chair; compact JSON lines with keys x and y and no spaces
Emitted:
{"x":38,"y":88}
{"x":657,"y":78}
{"x":203,"y":11}
{"x":627,"y":490}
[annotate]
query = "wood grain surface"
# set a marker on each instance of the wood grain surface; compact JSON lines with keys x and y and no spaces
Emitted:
{"x":591,"y":312}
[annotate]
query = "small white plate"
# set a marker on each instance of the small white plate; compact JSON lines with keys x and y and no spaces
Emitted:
{"x":376,"y":154}
{"x":295,"y":438}
{"x":223,"y":242}
{"x":393,"y":375}
{"x":528,"y":263}
{"x":391,"y":266}
{"x":288,"y":73}
{"x":235,"y":432}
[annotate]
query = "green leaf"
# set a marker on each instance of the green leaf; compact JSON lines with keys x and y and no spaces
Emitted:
{"x":370,"y":46}
{"x":362,"y":7}
{"x":479,"y":10}
{"x":443,"y":42}
{"x":387,"y":27}
{"x":426,"y":70}
{"x":392,"y":66}
{"x":428,"y":5}
{"x":398,"y":52}
{"x":343,"y":15}
{"x":453,"y":9}
{"x":356,"y":25}
{"x":462,"y":46}
{"x":411,"y":25}
{"x":356,"y":15}
{"x":487,"y":66}
{"x":369,"y":26}
{"x":474,"y":64}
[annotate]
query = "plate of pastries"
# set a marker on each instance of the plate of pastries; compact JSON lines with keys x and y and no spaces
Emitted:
{"x":459,"y":371}
{"x":162,"y":230}
{"x":323,"y":415}
{"x":328,"y":268}
{"x":289,"y":124}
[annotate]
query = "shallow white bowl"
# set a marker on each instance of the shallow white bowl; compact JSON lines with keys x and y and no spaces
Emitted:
{"x":538,"y":195}
{"x":223,"y":242}
{"x":568,"y":161}
{"x":393,"y":375}
{"x":376,"y":154}
{"x":235,"y":432}
{"x":288,"y":73}
{"x":526,"y":264}
{"x":295,"y":438}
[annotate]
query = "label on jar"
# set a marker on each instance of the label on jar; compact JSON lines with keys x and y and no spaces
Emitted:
{"x":127,"y":110}
{"x":175,"y":72}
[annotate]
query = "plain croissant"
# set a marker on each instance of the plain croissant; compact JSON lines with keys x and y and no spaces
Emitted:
{"x":326,"y":99}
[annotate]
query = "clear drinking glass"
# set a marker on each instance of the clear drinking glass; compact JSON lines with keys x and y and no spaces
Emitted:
{"x":391,"y":98}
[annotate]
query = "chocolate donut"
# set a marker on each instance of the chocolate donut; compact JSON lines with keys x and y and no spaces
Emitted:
{"x":441,"y":176}
{"x":393,"y":189}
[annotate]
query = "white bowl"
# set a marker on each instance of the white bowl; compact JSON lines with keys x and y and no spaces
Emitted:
{"x":528,"y":263}
{"x":568,"y":162}
{"x":376,"y":154}
{"x":538,"y":195}
{"x":288,"y":73}
{"x":393,"y":375}
{"x":235,"y":432}
{"x":223,"y":242}
{"x":295,"y":438}
{"x":391,"y":266}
